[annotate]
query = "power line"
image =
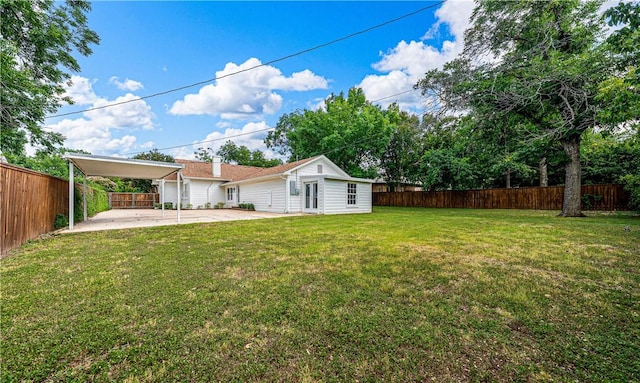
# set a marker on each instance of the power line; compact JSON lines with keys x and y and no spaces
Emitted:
{"x":252,"y":132}
{"x":323,"y":45}
{"x":207,"y":141}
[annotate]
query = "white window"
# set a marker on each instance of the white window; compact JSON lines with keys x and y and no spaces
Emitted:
{"x":352,"y":194}
{"x":230,"y":194}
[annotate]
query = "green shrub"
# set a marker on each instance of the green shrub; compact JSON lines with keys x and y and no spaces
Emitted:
{"x":61,"y":221}
{"x":632,"y":185}
{"x":246,"y":206}
{"x":219,"y":205}
{"x":207,"y":205}
{"x":588,"y":200}
{"x":97,"y":201}
{"x":168,"y":205}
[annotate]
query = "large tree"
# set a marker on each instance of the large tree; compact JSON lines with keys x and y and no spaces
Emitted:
{"x":230,"y":153}
{"x":38,"y":40}
{"x":145,"y":186}
{"x":537,"y":60}
{"x":350,"y":131}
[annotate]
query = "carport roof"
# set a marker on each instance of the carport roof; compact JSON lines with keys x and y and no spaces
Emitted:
{"x":104,"y":166}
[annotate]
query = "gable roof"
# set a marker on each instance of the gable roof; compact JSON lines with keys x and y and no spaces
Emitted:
{"x":233,"y":173}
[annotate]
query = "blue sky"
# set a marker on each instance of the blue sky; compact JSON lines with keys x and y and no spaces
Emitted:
{"x":150,"y":47}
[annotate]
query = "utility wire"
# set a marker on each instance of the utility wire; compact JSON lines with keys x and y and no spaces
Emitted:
{"x":255,"y":131}
{"x":323,"y":45}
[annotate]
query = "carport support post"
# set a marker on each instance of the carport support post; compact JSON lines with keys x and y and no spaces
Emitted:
{"x":162,"y":198}
{"x":179,"y":195}
{"x":70,"y":195}
{"x":84,"y":197}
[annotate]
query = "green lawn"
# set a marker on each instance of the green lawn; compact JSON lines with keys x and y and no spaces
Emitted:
{"x":397,"y":295}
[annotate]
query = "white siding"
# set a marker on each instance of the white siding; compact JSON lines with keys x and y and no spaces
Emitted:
{"x":203,"y":191}
{"x":335,"y":197}
{"x":258,"y":194}
{"x":200,"y":192}
{"x":170,"y":192}
{"x":295,"y":201}
{"x":311,"y":169}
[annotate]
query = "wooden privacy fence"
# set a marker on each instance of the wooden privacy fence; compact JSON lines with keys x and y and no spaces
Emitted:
{"x":594,"y":197}
{"x":133,"y":200}
{"x":29,"y":203}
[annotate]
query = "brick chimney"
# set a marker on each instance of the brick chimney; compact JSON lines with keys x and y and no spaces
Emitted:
{"x":217,"y":167}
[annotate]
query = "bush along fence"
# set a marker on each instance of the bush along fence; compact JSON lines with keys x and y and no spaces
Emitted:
{"x":33,"y":203}
{"x":608,"y":197}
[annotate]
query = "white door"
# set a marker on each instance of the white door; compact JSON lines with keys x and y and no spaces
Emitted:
{"x":311,"y":197}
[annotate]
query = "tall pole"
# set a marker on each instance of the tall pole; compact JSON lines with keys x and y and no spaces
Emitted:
{"x":70,"y":195}
{"x":84,"y":197}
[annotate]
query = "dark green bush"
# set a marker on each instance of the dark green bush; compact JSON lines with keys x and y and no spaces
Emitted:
{"x":97,"y":201}
{"x":61,"y":221}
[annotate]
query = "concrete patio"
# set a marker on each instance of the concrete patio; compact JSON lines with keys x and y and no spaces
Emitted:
{"x":130,"y":218}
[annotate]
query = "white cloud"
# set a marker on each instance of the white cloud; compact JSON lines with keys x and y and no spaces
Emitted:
{"x":247,"y":94}
{"x":93,"y":131}
{"x":251,"y":135}
{"x":407,"y":62}
{"x":131,"y":114}
{"x":130,"y":85}
{"x":80,"y":90}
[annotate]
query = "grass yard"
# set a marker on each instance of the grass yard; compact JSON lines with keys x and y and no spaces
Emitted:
{"x":399,"y":295}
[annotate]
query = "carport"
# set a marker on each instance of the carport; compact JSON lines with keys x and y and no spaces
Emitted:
{"x":103,"y":166}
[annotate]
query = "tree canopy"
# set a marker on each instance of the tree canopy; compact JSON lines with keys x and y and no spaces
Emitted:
{"x":537,"y":65}
{"x":349,"y":130}
{"x":231,"y":153}
{"x":39,"y":38}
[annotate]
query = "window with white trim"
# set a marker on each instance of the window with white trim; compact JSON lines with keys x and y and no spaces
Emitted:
{"x":230,"y":194}
{"x":352,"y":194}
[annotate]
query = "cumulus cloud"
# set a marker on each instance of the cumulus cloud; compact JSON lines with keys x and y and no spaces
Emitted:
{"x":251,"y":135}
{"x":403,"y":65}
{"x":80,"y":90}
{"x":249,"y":93}
{"x":130,"y":85}
{"x":93,"y":131}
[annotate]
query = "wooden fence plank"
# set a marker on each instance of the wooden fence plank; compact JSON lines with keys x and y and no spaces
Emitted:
{"x":29,"y":203}
{"x":133,"y":200}
{"x":607,"y":197}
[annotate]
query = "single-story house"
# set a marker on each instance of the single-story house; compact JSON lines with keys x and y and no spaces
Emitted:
{"x":313,"y":185}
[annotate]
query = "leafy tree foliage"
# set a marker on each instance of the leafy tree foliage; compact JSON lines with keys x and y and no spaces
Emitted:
{"x":545,"y":70}
{"x":401,"y":158}
{"x":620,"y":93}
{"x":154,"y":155}
{"x":241,"y":155}
{"x":350,"y":131}
{"x":144,"y":186}
{"x":38,"y":39}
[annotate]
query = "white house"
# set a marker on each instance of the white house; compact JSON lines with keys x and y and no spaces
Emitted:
{"x":313,"y":185}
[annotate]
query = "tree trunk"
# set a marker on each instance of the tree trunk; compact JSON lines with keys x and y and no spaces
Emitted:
{"x":544,"y":174}
{"x":571,"y":206}
{"x":507,"y":176}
